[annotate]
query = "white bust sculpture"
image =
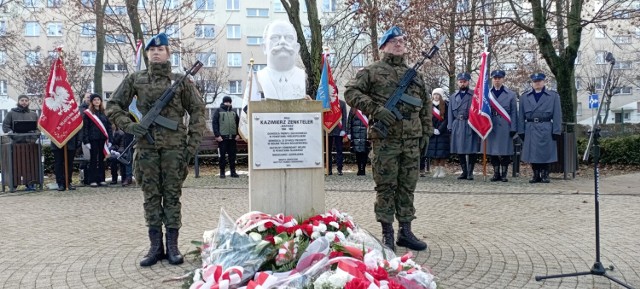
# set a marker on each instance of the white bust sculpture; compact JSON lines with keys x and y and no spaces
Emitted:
{"x":281,"y":79}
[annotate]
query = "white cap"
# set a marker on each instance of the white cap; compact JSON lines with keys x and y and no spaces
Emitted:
{"x":441,"y":92}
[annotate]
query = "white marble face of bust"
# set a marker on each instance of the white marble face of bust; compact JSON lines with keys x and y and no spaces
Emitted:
{"x":280,"y":45}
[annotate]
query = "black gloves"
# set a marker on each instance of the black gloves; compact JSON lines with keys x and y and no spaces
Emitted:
{"x":512,"y":133}
{"x":521,"y":136}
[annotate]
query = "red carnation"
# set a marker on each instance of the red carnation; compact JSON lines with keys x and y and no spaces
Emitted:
{"x":269,"y":238}
{"x":357,"y":283}
{"x":378,"y":273}
{"x":268,"y":225}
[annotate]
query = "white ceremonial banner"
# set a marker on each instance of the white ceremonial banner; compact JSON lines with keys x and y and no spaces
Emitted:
{"x":286,"y":140}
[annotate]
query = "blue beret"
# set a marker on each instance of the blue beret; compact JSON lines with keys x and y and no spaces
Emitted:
{"x":498,"y":73}
{"x":390,"y":34}
{"x":538,"y":76}
{"x":464,"y":76}
{"x":159,"y":40}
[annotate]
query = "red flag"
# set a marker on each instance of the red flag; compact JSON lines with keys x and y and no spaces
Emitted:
{"x":480,"y":110}
{"x":60,"y":119}
{"x":333,"y":116}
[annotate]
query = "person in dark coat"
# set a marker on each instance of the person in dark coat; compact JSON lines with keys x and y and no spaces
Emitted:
{"x":504,"y":119}
{"x":438,"y":147}
{"x":84,"y":104}
{"x":225,"y":128}
{"x":20,"y":113}
{"x":539,"y":127}
{"x":96,"y":134}
{"x":58,"y":163}
{"x":357,"y":125}
{"x":117,"y":148}
{"x":464,"y":141}
{"x":335,"y":138}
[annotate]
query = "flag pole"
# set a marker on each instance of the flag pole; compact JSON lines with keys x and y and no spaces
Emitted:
{"x":66,"y":167}
{"x":484,"y":151}
{"x":328,"y":154}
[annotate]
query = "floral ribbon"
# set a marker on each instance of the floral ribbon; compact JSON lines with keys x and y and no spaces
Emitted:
{"x":217,"y":278}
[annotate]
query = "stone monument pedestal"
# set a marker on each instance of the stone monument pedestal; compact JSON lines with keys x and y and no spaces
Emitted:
{"x":286,"y":172}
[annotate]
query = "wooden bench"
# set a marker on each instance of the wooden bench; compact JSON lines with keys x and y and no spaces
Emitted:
{"x":209,"y":143}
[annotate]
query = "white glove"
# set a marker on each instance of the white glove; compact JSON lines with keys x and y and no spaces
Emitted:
{"x":116,"y":154}
{"x":87,"y":145}
{"x":436,"y":131}
{"x":349,"y":136}
{"x":109,"y":144}
{"x":112,"y":152}
{"x":342,"y":133}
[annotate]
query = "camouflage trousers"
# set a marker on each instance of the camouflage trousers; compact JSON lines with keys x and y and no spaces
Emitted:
{"x":395,"y":171}
{"x":160,"y":173}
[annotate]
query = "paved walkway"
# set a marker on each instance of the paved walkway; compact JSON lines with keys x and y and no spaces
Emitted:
{"x":480,"y":234}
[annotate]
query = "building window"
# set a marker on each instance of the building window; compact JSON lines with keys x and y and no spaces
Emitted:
{"x":254,"y":40}
{"x":88,"y":58}
{"x":235,"y":87}
{"x":622,"y":90}
{"x":116,"y":10}
{"x":233,"y":4}
{"x":303,"y":7}
{"x":600,"y":57}
{"x":171,"y":4}
{"x":3,"y":27}
{"x":32,"y":3}
{"x":509,"y":66}
{"x":87,"y":3}
{"x":115,"y":39}
{"x":31,"y":28}
{"x":579,"y":108}
{"x":205,"y":5}
{"x":621,"y":14}
{"x":205,"y":31}
{"x":330,"y":33}
{"x":258,"y":67}
{"x":233,"y":31}
{"x":597,"y":82}
{"x":358,"y":60}
{"x":277,"y":7}
{"x":257,"y":12}
{"x":3,"y":57}
{"x":54,"y":29}
{"x":600,"y":32}
{"x":52,"y":55}
{"x":115,"y":67}
{"x":528,"y":57}
{"x":32,"y":57}
{"x":173,"y":31}
{"x":622,"y":39}
{"x":638,"y":32}
{"x":88,"y":29}
{"x":329,"y":5}
{"x":578,"y":58}
{"x":234,"y":59}
{"x":175,"y":59}
{"x":3,"y":87}
{"x":107,"y":94}
{"x":209,"y":59}
{"x":622,"y":65}
{"x":142,"y":4}
{"x":54,"y":3}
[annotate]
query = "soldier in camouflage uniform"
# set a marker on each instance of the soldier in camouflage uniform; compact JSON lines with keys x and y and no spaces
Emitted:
{"x":396,"y":157}
{"x":160,"y":167}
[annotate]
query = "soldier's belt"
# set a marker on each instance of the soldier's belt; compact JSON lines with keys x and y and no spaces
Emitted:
{"x":462,"y":117}
{"x":538,"y":119}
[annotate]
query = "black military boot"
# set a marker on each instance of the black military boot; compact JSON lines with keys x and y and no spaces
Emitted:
{"x":156,"y":250}
{"x":496,"y":174}
{"x":463,"y":165}
{"x":406,"y":238}
{"x":387,"y":235}
{"x":544,"y":176}
{"x":173,"y":254}
{"x":536,"y":177}
{"x":470,"y":170}
{"x":505,"y":170}
{"x":232,"y":168}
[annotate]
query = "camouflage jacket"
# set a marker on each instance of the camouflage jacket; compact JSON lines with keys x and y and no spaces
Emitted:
{"x":149,"y":85}
{"x":374,"y":84}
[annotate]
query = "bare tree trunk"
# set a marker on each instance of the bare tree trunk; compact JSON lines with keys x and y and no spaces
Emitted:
{"x":100,"y":44}
{"x":136,"y":27}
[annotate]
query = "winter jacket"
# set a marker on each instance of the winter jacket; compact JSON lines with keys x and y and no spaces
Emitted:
{"x":225,"y":122}
{"x":358,"y":131}
{"x":91,"y":132}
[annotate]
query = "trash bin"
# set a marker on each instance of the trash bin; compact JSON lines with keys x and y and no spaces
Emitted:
{"x":567,"y":147}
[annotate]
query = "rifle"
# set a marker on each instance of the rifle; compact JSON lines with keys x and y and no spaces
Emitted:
{"x":153,"y":115}
{"x":399,"y":95}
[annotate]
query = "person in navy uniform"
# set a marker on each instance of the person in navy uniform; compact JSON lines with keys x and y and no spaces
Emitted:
{"x":500,"y":139}
{"x":539,"y":127}
{"x":464,"y":141}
